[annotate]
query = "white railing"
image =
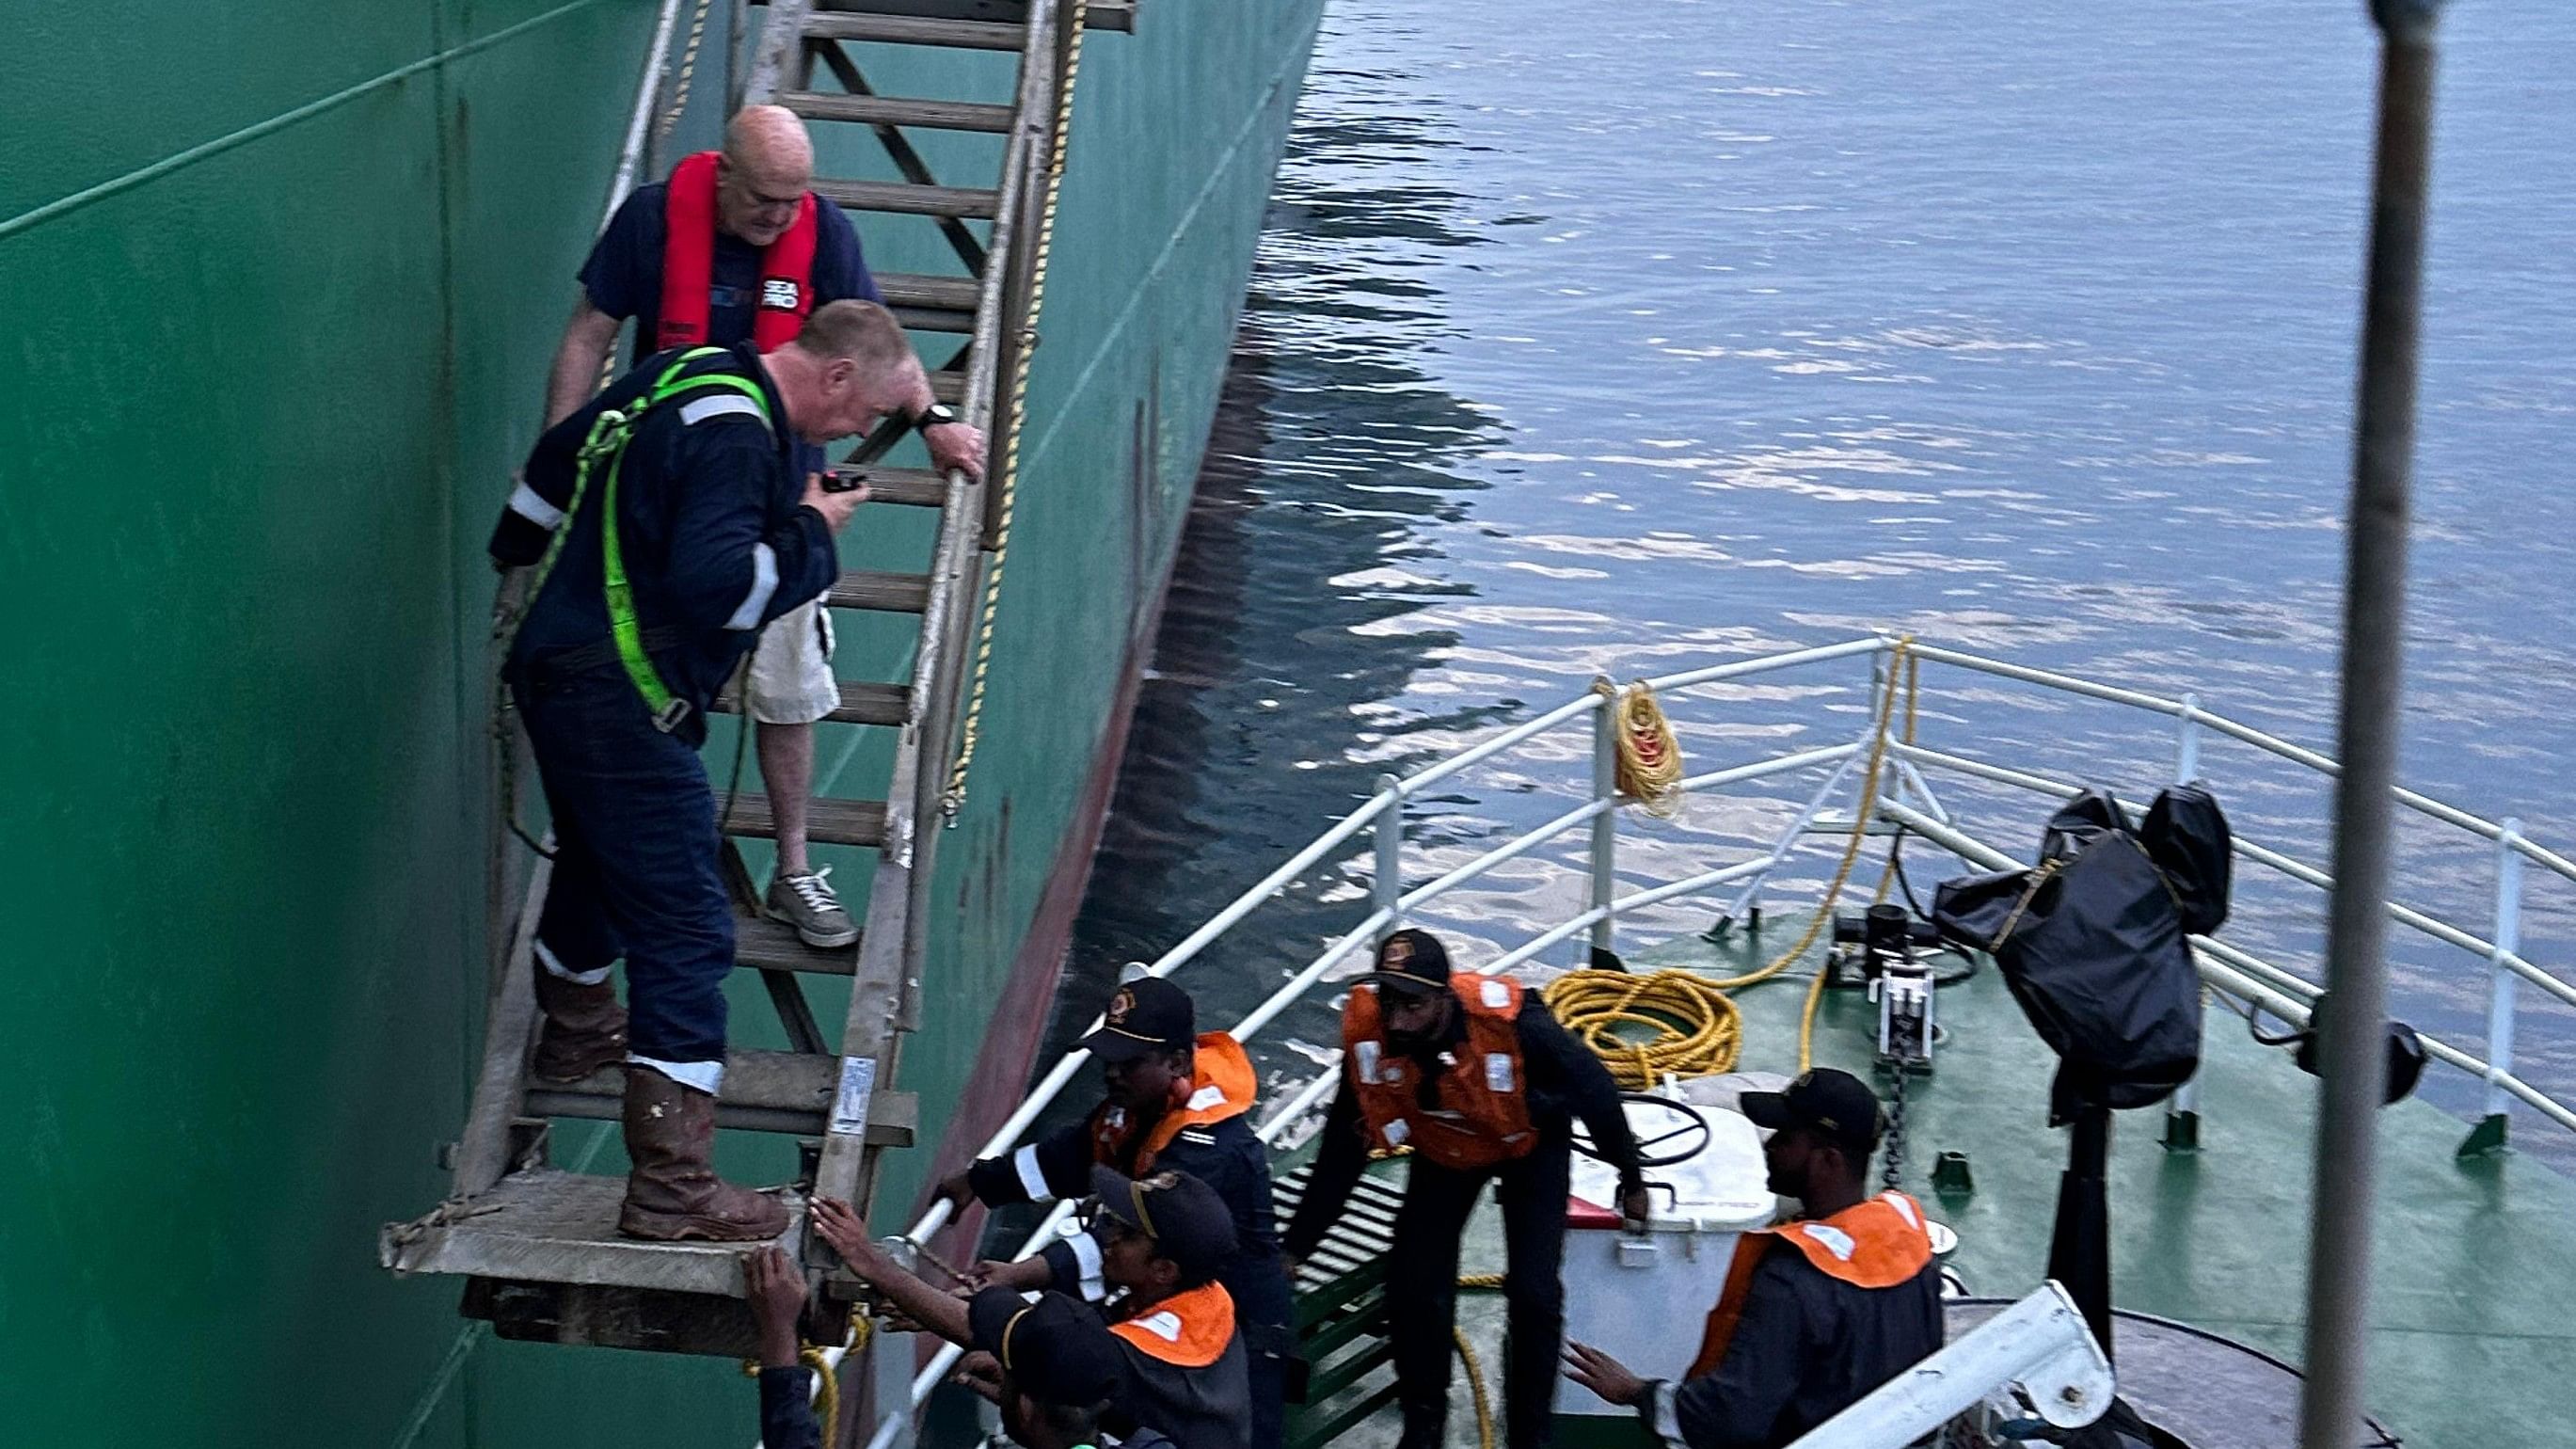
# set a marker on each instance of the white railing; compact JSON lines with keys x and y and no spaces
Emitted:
{"x":1905,"y":800}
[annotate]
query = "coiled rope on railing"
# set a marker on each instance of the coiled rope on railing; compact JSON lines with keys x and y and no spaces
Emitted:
{"x":1648,"y":760}
{"x":952,"y":799}
{"x":1698,"y":1030}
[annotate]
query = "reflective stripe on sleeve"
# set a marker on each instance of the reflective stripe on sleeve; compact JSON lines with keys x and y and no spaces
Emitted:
{"x":764,"y":582}
{"x":716,"y":405}
{"x":525,"y":502}
{"x":1032,"y":1181}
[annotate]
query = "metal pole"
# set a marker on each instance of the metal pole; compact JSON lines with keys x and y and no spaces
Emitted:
{"x":2182,"y":1110}
{"x":2501,"y":982}
{"x":2354,"y":1056}
{"x":1605,"y":826}
{"x":1387,"y":890}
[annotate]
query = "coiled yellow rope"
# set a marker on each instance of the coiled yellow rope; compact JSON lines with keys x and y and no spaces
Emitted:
{"x":1697,"y":1030}
{"x":1649,"y":759}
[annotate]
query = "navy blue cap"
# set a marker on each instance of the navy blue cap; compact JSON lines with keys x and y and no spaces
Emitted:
{"x":1054,"y":1349}
{"x":1188,"y":1222}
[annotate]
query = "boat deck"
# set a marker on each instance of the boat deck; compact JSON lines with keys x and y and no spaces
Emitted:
{"x":2474,"y":1260}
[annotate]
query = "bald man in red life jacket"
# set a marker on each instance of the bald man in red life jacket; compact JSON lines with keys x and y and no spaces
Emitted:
{"x":1816,"y":1312}
{"x":736,"y":248}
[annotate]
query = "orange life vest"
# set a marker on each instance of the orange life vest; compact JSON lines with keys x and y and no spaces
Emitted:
{"x":1221,"y":1085}
{"x":1187,"y":1330}
{"x":1483,"y":1116}
{"x":689,"y":223}
{"x":1876,"y":1244}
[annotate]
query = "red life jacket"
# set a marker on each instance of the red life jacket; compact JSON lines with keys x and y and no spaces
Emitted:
{"x":689,"y":264}
{"x":1875,"y":1244}
{"x":1186,"y":1330}
{"x":1484,"y":1117}
{"x":1221,"y":1085}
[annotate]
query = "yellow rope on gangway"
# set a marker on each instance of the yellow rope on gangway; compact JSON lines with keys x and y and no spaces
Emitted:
{"x":952,"y":800}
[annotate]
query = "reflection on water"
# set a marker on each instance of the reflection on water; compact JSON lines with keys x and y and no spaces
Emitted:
{"x":1577,"y":349}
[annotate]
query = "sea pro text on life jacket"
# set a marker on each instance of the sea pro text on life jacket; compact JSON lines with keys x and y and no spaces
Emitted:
{"x":1221,"y":1085}
{"x":1876,"y":1244}
{"x":1483,"y":1117}
{"x":689,"y":223}
{"x":1187,"y":1330}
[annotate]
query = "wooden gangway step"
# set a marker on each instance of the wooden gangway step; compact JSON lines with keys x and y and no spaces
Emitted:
{"x":910,"y":487}
{"x":973,"y":202}
{"x":548,"y":1226}
{"x":862,"y":702}
{"x":897,"y":111}
{"x":767,"y":945}
{"x":918,"y":30}
{"x":889,"y":593}
{"x":833,"y":822}
{"x":763,"y":1092}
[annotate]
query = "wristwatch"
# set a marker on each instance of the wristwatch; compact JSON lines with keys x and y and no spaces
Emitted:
{"x":937,"y":415}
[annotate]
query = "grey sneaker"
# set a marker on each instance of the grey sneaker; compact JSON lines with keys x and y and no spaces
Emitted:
{"x":806,"y":902}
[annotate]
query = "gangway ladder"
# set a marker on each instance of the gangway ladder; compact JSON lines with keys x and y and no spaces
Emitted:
{"x":537,"y":1244}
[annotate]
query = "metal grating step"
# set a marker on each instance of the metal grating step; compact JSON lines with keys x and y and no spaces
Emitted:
{"x":910,"y":487}
{"x":888,"y":593}
{"x":763,"y":1092}
{"x":897,"y":111}
{"x":862,"y":702}
{"x":833,"y":822}
{"x":907,"y":199}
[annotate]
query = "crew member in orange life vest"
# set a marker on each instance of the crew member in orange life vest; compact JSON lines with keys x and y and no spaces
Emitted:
{"x":1482,"y":1085}
{"x":1816,"y":1312}
{"x":1161,"y":1240}
{"x":1176,"y":1100}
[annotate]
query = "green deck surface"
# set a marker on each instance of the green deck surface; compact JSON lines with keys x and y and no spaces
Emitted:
{"x":2473,"y":1261}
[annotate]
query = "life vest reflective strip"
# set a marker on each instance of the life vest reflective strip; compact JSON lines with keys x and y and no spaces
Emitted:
{"x":609,"y":434}
{"x":1484,"y":1117}
{"x":1186,"y":1330}
{"x":1222,"y":1084}
{"x":1875,"y":1244}
{"x":689,"y":223}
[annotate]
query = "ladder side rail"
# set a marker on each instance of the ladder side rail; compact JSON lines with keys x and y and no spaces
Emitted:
{"x":779,"y":62}
{"x":890,"y":950}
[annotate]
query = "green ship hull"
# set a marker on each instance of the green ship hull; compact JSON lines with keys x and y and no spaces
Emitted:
{"x":282,"y":287}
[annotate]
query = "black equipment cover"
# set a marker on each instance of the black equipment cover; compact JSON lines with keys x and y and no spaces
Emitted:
{"x":2092,"y":941}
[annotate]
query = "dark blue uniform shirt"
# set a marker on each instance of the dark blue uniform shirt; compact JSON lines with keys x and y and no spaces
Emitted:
{"x":712,"y":528}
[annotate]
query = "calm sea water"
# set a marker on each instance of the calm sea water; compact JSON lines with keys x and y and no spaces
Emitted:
{"x":1579,"y":347}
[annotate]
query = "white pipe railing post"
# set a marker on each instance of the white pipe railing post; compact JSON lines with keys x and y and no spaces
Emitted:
{"x":1605,"y":826}
{"x":1386,"y":892}
{"x":2502,"y":986}
{"x":2182,"y":1109}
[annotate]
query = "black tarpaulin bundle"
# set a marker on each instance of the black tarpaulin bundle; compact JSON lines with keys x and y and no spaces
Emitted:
{"x":2092,"y":941}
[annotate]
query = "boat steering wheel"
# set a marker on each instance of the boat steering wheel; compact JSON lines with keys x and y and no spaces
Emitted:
{"x":1691,"y":1130}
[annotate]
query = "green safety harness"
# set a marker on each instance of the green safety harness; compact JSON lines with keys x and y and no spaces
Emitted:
{"x":609,"y":434}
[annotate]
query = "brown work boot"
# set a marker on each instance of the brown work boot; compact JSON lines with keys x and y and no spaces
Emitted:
{"x":673,"y":1191}
{"x":585,"y":1027}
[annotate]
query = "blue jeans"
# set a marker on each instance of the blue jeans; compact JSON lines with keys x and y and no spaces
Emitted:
{"x":636,"y":859}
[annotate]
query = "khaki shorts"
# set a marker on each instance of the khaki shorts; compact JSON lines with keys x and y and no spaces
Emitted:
{"x":788,"y":679}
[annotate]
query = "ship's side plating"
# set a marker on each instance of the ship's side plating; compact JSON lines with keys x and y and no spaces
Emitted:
{"x":281,"y":284}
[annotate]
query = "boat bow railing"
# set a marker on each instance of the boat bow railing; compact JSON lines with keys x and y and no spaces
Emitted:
{"x":1907,"y":802}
